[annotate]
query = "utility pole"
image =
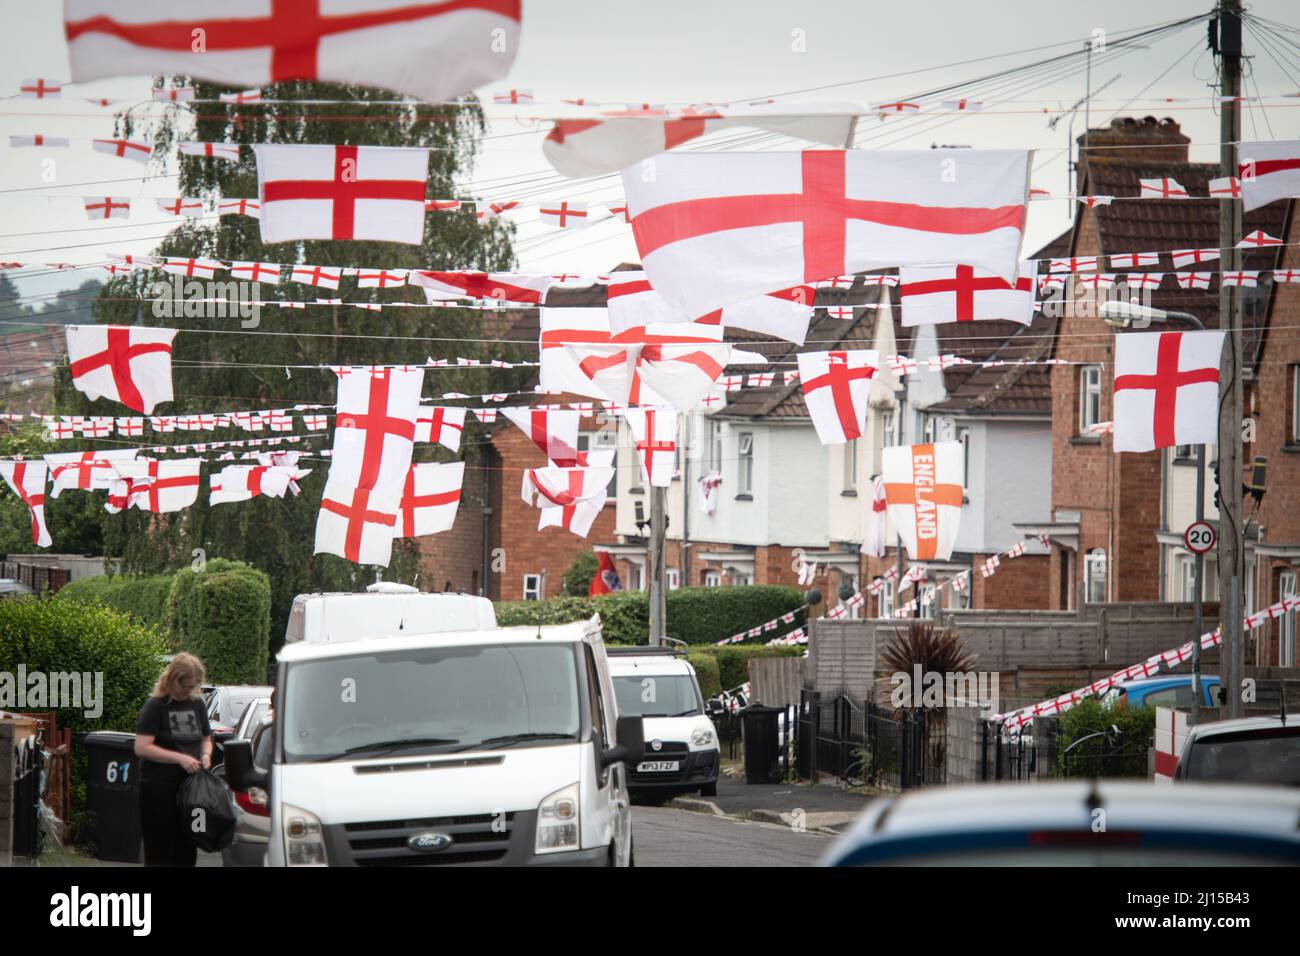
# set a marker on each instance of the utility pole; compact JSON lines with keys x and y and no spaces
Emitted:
{"x":1231,"y":525}
{"x":655,"y":562}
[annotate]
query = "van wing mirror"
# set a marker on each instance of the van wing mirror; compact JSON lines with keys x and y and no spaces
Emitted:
{"x":630,"y":744}
{"x":240,"y":772}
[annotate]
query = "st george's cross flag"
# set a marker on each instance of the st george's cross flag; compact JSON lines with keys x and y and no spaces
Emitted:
{"x":432,"y":50}
{"x":128,"y":364}
{"x":876,"y":538}
{"x":715,"y":228}
{"x":499,"y":286}
{"x":553,"y":431}
{"x":835,"y":387}
{"x":159,"y":486}
{"x":430,"y":498}
{"x":85,"y":470}
{"x":26,"y":479}
{"x":357,"y":193}
{"x":245,"y":482}
{"x":576,"y":518}
{"x":1166,"y":389}
{"x":440,"y":425}
{"x":1268,"y":171}
{"x":654,"y":443}
{"x":569,"y":498}
{"x":936,"y":295}
{"x":608,"y":140}
{"x":633,"y":302}
{"x":923,"y":495}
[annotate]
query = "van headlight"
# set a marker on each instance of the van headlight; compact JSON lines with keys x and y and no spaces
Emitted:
{"x":557,"y":821}
{"x":702,"y":737}
{"x":304,"y":840}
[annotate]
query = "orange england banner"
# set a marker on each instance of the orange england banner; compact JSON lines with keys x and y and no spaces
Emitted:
{"x":923,"y":496}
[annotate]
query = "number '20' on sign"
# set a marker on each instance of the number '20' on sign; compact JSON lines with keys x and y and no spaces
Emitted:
{"x":1200,"y":537}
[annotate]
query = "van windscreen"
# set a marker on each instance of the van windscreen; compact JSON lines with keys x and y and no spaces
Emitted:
{"x":430,"y":700}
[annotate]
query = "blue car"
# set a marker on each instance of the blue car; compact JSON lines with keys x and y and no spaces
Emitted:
{"x":1172,"y":691}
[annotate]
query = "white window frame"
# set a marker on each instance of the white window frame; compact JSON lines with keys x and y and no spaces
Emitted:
{"x":745,"y":463}
{"x":1295,"y":405}
{"x":885,"y":601}
{"x":535,"y":592}
{"x":888,"y":429}
{"x":1089,"y":388}
{"x":713,"y":579}
{"x":1286,"y":586}
{"x":963,"y":435}
{"x":674,"y":578}
{"x":1186,"y":565}
{"x":715,"y":446}
{"x":1094,"y":557}
{"x":851,"y":465}
{"x":740,"y":579}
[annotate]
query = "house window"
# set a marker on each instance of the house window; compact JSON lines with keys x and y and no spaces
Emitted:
{"x":963,"y":436}
{"x":1186,"y":577}
{"x":745,"y":464}
{"x":674,"y":579}
{"x":888,"y":429}
{"x":961,"y":599}
{"x":885,"y":600}
{"x":851,"y":465}
{"x":633,"y":576}
{"x":739,"y":578}
{"x":1286,"y":648}
{"x":1184,"y":454}
{"x":608,"y":438}
{"x":1294,"y":424}
{"x":712,"y":579}
{"x":1094,"y":576}
{"x":927,"y":607}
{"x":1089,"y":397}
{"x":715,"y":446}
{"x":532,"y":587}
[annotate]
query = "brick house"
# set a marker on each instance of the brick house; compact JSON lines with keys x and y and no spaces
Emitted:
{"x":1116,"y":521}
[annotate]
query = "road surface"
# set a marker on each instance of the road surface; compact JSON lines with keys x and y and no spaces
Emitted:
{"x":665,"y":836}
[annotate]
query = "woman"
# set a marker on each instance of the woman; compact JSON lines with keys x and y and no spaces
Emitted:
{"x":172,"y":738}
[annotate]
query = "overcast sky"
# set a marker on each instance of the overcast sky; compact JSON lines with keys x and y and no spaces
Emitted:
{"x":678,"y":51}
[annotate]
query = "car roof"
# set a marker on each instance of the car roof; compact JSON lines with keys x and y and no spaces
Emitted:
{"x":931,"y":813}
{"x":626,"y":664}
{"x":1171,"y":680}
{"x":1243,"y":724}
{"x":573,"y":633}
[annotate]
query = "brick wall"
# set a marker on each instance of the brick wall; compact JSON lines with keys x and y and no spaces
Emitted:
{"x":1018,"y":583}
{"x":453,"y":559}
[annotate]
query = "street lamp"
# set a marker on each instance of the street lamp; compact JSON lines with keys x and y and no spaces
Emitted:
{"x":1122,"y":315}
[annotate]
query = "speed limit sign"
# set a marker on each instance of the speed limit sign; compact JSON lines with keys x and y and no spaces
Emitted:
{"x":1199,"y":537}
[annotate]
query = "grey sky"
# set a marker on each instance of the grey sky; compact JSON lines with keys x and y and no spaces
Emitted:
{"x":672,"y":50}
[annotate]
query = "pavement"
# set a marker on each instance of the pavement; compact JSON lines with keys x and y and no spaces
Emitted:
{"x":811,"y":807}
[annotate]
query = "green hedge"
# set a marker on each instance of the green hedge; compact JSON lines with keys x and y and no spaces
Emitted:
{"x":695,"y":615}
{"x":733,"y":660}
{"x":60,"y":636}
{"x":222,"y":615}
{"x":706,"y":672}
{"x":143,"y":597}
{"x":1122,"y":756}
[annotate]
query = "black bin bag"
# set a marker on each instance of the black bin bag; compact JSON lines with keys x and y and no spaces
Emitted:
{"x":208,"y":809}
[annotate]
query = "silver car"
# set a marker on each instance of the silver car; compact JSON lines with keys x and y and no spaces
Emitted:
{"x":253,"y":823}
{"x":1248,"y":750}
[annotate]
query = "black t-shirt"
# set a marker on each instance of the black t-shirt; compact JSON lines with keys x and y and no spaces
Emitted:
{"x":177,"y":725}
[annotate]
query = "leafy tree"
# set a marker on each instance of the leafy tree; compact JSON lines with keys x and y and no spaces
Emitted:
{"x":577,"y":578}
{"x":75,"y":518}
{"x":218,"y":366}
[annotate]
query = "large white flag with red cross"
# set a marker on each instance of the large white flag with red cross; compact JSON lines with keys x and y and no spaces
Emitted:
{"x":633,"y":302}
{"x":835,"y":386}
{"x":430,"y":498}
{"x":923,"y":494}
{"x":129,"y":364}
{"x":569,"y":498}
{"x":357,"y":523}
{"x":435,"y":51}
{"x":715,"y":228}
{"x":440,"y":425}
{"x":939,"y":294}
{"x":654,"y":443}
{"x":554,"y":431}
{"x":159,"y":486}
{"x":1166,"y":389}
{"x":612,"y":139}
{"x":498,"y":286}
{"x":342,"y":192}
{"x":1268,"y":171}
{"x":244,"y":482}
{"x":26,"y":479}
{"x":85,"y":470}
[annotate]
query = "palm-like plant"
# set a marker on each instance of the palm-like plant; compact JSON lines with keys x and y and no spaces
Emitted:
{"x":935,"y":650}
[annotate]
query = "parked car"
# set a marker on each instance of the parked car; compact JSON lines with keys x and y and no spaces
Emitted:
{"x":1056,"y":824}
{"x":1172,"y":691}
{"x":1249,"y":750}
{"x":226,"y":703}
{"x":682,"y":752}
{"x":253,"y":820}
{"x":11,"y":588}
{"x":411,"y":730}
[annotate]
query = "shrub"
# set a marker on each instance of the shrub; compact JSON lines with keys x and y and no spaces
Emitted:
{"x":695,"y":615}
{"x":577,"y":579}
{"x":733,"y":660}
{"x":706,"y":672}
{"x":1107,"y":755}
{"x":143,"y":597}
{"x":55,"y":635}
{"x":222,"y":614}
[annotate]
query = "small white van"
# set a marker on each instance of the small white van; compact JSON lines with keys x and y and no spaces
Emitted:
{"x":410,"y":730}
{"x":681,"y":753}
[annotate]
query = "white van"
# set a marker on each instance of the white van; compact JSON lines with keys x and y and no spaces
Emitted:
{"x":681,"y":754}
{"x":411,"y":730}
